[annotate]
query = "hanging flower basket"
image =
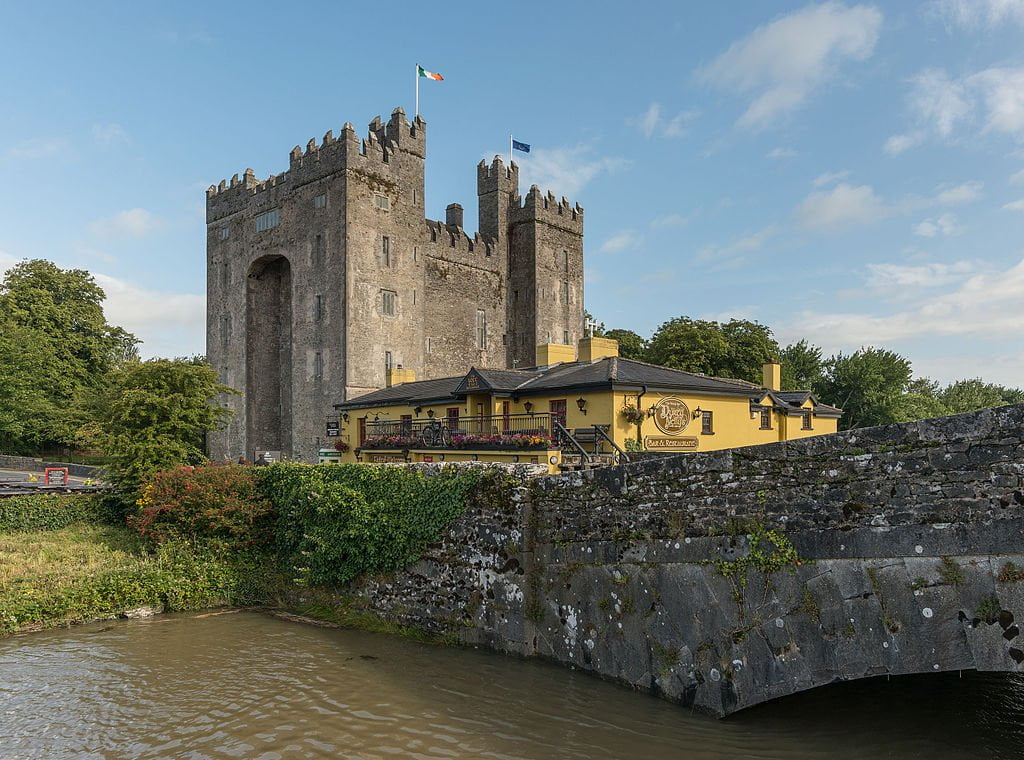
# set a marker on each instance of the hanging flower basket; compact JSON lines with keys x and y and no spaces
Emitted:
{"x":341,"y":446}
{"x":634,"y":415}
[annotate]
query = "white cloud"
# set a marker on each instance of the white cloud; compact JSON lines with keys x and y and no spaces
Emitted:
{"x":109,"y":134}
{"x":940,"y":105}
{"x":1015,"y":205}
{"x":670,"y":220}
{"x":566,"y":170}
{"x":841,"y":206}
{"x":944,"y":224}
{"x":962,"y":193}
{"x":38,"y":147}
{"x":985,"y":306}
{"x":1017,"y":178}
{"x":783,"y":62}
{"x":169,"y":324}
{"x":781,"y":153}
{"x":974,"y":14}
{"x":132,"y":223}
{"x":626,"y":240}
{"x":899,"y":143}
{"x":901,"y":277}
{"x":731,"y":254}
{"x":1003,"y":92}
{"x":827,"y":178}
{"x":651,"y":122}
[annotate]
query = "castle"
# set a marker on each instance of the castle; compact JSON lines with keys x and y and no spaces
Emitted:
{"x":326,"y":282}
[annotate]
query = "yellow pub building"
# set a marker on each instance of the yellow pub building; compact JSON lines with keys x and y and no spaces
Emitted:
{"x":579,"y":407}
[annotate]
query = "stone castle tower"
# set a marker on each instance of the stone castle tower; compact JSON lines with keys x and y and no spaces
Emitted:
{"x":321,"y":278}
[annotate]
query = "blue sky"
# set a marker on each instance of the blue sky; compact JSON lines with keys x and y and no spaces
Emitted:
{"x":849,"y":173}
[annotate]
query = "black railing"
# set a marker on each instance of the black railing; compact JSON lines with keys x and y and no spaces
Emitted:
{"x":499,"y":431}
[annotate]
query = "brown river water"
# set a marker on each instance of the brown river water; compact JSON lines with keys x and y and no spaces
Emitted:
{"x":245,"y":685}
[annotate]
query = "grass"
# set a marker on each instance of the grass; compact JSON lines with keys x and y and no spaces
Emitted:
{"x":60,"y":558}
{"x":90,"y":570}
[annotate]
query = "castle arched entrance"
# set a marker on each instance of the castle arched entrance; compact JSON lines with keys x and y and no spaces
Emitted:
{"x":268,"y":356}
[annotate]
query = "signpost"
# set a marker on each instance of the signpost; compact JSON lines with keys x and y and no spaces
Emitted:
{"x":56,"y":476}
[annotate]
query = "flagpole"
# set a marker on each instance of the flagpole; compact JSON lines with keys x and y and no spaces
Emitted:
{"x":417,"y":89}
{"x":510,"y":151}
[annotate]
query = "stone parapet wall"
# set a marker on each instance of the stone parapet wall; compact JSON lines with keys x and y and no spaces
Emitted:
{"x":726,"y":579}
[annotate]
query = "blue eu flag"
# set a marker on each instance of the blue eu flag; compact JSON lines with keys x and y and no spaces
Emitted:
{"x":516,"y":145}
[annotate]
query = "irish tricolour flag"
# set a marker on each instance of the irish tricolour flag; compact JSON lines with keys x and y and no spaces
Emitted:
{"x":429,"y":74}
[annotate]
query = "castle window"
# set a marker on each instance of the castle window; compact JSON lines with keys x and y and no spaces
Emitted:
{"x":318,"y":251}
{"x":565,"y":292}
{"x":225,"y":233}
{"x":706,"y":423}
{"x":414,"y":296}
{"x":481,"y":329}
{"x":389,"y":362}
{"x":320,"y":201}
{"x":565,"y":256}
{"x":565,"y":337}
{"x":385,"y":250}
{"x":430,"y":345}
{"x":387,"y":302}
{"x":318,"y":307}
{"x":766,"y":419}
{"x":415,"y":196}
{"x":415,"y":254}
{"x":267,"y":220}
{"x":504,"y":339}
{"x":318,"y":364}
{"x":806,"y":421}
{"x":382,"y":202}
{"x":386,"y":159}
{"x":515,"y":295}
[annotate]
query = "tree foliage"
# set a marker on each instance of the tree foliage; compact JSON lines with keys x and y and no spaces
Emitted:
{"x":868,"y":385}
{"x":55,"y":347}
{"x":631,"y":345}
{"x":736,"y":349}
{"x":802,"y":366}
{"x":154,"y":415}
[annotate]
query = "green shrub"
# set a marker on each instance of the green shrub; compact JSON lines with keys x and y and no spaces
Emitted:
{"x":48,"y":511}
{"x":336,"y":522}
{"x":220,"y":505}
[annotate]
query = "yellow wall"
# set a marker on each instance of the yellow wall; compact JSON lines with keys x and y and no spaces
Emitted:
{"x":733,"y":423}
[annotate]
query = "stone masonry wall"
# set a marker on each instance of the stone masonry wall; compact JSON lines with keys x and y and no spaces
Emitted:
{"x":725,"y":579}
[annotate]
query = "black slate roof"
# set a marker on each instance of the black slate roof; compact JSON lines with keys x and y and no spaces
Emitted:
{"x":608,"y":372}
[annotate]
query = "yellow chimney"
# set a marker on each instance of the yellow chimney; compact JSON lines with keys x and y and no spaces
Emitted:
{"x":594,"y":348}
{"x":772,"y":373}
{"x":554,"y":353}
{"x":396,"y":376}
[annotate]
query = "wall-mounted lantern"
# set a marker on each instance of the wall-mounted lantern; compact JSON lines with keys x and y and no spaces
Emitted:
{"x":697,"y":412}
{"x":417,"y":410}
{"x":528,"y":406}
{"x":430,"y":413}
{"x":581,"y":404}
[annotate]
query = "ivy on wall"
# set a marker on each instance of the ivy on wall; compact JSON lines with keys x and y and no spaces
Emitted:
{"x":337,"y":522}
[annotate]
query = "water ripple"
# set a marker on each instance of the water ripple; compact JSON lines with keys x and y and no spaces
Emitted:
{"x":245,"y":685}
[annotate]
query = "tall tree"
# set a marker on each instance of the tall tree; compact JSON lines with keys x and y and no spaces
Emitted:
{"x":868,"y":385}
{"x":968,"y":395}
{"x":737,"y":349}
{"x":155,"y":414}
{"x":801,"y":366}
{"x":58,"y":314}
{"x":631,"y":345}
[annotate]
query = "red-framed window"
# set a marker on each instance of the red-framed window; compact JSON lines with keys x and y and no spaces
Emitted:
{"x":557,"y":408}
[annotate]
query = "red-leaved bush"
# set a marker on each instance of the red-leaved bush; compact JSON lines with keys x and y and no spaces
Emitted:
{"x":220,"y":505}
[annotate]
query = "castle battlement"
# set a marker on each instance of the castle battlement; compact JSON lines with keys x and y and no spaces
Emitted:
{"x":497,"y":176}
{"x":454,"y":241}
{"x":546,"y":208}
{"x":384,"y":142}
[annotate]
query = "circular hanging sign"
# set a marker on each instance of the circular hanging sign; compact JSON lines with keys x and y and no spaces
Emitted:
{"x":671,"y":415}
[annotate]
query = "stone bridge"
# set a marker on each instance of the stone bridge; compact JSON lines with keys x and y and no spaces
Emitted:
{"x":726,"y":579}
